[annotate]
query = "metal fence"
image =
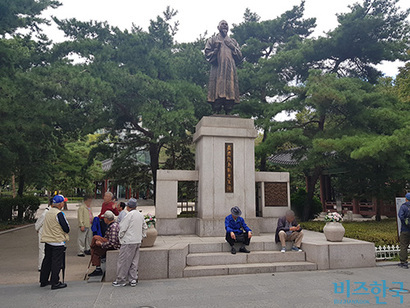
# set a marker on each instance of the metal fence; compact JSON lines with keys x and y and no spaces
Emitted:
{"x":187,"y":199}
{"x":388,"y":252}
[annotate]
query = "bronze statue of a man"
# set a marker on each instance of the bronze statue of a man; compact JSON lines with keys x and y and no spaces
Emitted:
{"x":223,"y":53}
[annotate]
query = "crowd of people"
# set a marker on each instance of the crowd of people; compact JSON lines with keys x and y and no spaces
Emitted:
{"x":118,"y":226}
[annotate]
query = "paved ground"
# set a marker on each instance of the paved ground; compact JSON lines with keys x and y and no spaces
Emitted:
{"x":305,"y":289}
{"x":19,"y":287}
{"x":19,"y":250}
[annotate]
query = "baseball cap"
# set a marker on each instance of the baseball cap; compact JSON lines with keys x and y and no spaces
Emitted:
{"x":59,"y":199}
{"x":408,"y":196}
{"x":132,"y":203}
{"x":109,"y":215}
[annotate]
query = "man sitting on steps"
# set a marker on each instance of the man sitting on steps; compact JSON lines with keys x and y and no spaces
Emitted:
{"x":289,"y":230}
{"x":237,"y":231}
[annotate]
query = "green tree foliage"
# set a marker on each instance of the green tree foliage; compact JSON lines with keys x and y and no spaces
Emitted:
{"x":280,"y":54}
{"x":373,"y":31}
{"x":72,"y":169}
{"x":23,"y":14}
{"x":154,"y":92}
{"x":145,"y":92}
{"x":27,"y":139}
{"x":41,"y":97}
{"x":265,"y":74}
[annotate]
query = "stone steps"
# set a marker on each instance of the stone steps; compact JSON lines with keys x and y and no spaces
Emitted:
{"x":224,"y":247}
{"x":224,"y":258}
{"x":248,"y":268}
{"x":214,"y":259}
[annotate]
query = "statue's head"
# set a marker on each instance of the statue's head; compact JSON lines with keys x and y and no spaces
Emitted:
{"x":223,"y":28}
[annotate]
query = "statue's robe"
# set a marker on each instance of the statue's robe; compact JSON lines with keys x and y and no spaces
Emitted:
{"x":223,"y":79}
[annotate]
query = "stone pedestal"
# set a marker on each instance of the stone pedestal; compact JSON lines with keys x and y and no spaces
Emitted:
{"x":214,"y":202}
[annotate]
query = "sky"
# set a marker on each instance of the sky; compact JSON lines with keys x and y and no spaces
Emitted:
{"x":198,"y":16}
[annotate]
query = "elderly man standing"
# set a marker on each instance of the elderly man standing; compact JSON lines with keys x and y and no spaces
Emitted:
{"x":55,"y":235}
{"x":404,"y":216}
{"x":237,"y":231}
{"x":289,"y":230}
{"x":132,"y":230}
{"x":100,"y":245}
{"x":108,"y":205}
{"x":85,"y":219}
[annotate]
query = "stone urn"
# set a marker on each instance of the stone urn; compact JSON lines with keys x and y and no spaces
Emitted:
{"x":334,"y":231}
{"x":152,"y":234}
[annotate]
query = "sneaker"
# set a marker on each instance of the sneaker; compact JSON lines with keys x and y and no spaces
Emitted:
{"x":233,"y":250}
{"x":97,"y":272}
{"x":404,"y":265}
{"x":294,"y":248}
{"x":243,"y":249}
{"x":80,"y":255}
{"x":118,"y":284}
{"x":87,"y":252}
{"x":283,"y":249}
{"x":134,"y":283}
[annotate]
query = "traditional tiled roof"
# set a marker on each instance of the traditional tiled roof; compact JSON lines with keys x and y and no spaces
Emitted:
{"x":286,"y":158}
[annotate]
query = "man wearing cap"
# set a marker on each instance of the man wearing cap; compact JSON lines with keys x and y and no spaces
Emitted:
{"x":404,"y":216}
{"x":132,"y":230}
{"x":289,"y":230}
{"x":55,"y":235}
{"x":237,"y":230}
{"x":100,"y":245}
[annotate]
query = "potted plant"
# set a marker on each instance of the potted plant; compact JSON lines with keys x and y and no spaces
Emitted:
{"x":334,"y":230}
{"x":152,"y":233}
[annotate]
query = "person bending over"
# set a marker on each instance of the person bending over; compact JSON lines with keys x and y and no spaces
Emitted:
{"x":289,"y":230}
{"x":237,"y":231}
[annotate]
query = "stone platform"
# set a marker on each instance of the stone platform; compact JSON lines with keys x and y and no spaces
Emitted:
{"x":193,"y":256}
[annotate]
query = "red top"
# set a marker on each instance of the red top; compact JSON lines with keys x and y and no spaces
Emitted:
{"x":107,"y":206}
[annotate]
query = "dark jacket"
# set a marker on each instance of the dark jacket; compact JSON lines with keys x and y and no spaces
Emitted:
{"x":96,"y":227}
{"x":282,"y":227}
{"x":404,"y":213}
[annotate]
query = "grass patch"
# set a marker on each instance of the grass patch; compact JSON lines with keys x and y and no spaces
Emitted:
{"x":378,"y":232}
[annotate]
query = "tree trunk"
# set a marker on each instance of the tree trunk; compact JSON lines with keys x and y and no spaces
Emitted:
{"x":378,"y":209}
{"x":20,"y":194}
{"x":13,"y":185}
{"x":20,"y":190}
{"x":154,"y":156}
{"x":311,"y":181}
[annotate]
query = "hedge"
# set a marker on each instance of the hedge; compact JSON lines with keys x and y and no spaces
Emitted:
{"x":26,"y":206}
{"x":378,"y":232}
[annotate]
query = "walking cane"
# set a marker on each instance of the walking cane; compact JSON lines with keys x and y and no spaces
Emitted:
{"x":63,"y":269}
{"x":88,"y":268}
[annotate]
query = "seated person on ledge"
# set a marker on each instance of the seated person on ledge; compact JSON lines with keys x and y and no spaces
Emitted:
{"x":237,"y":231}
{"x":100,"y":245}
{"x":289,"y":230}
